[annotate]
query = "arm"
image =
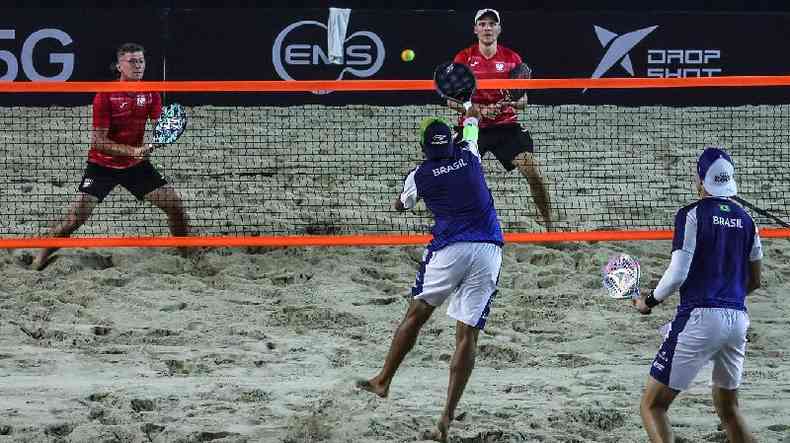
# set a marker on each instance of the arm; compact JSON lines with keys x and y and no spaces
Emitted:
{"x":754,"y":276}
{"x":408,"y":197}
{"x":674,"y":276}
{"x":155,"y":111}
{"x":100,"y":140}
{"x":471,"y":130}
{"x":684,"y":243}
{"x":755,"y":263}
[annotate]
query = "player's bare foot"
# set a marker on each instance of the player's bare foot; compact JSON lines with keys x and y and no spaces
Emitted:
{"x":437,"y":434}
{"x":373,"y":386}
{"x":40,"y":262}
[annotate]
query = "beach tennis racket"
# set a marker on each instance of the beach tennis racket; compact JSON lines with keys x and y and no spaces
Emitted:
{"x":521,"y":71}
{"x":171,"y":124}
{"x":455,"y":82}
{"x":621,"y":277}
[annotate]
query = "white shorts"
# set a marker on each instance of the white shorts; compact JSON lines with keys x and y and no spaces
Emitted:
{"x":706,"y":334}
{"x":467,"y":271}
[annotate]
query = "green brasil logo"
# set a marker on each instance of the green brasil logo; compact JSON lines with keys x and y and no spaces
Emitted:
{"x":724,"y":208}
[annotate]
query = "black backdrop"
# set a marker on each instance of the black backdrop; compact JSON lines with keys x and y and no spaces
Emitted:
{"x":243,"y":44}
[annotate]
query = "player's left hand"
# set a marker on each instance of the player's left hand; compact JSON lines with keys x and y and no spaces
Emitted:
{"x":490,"y":111}
{"x":142,"y":152}
{"x":639,"y":304}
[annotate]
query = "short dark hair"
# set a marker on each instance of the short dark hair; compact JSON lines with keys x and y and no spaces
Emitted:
{"x":127,"y":48}
{"x":124,"y":49}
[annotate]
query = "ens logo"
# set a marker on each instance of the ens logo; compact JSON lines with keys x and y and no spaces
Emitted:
{"x":299,"y":52}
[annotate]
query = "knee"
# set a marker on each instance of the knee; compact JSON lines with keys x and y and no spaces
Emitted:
{"x":173,"y":207}
{"x":650,"y":405}
{"x":727,"y":413}
{"x":526,"y":163}
{"x":414,"y":321}
{"x":74,"y":222}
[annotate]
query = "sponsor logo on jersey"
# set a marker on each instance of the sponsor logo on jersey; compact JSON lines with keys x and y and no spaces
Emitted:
{"x":500,"y":66}
{"x":141,"y":100}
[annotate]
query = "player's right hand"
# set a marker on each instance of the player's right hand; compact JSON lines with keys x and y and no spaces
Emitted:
{"x":474,"y":112}
{"x":142,"y":152}
{"x":641,"y":306}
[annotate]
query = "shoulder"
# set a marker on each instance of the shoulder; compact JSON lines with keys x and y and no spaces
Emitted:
{"x":509,"y":53}
{"x":102,"y":100}
{"x":463,"y":55}
{"x":686,"y":210}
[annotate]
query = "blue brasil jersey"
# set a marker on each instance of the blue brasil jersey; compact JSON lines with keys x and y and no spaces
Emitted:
{"x":456,"y":192}
{"x":722,"y":240}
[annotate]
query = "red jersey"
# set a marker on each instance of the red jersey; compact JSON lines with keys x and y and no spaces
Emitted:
{"x":498,"y":66}
{"x":125,"y":115}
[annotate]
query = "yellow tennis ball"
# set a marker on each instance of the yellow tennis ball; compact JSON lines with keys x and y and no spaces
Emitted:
{"x":407,"y":55}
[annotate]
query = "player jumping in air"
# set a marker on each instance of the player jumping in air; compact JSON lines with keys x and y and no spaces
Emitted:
{"x":462,"y":261}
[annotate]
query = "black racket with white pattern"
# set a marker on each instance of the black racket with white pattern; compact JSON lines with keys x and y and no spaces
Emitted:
{"x":455,"y":82}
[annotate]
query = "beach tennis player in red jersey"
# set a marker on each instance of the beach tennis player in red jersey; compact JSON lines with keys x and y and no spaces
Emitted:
{"x":117,"y":155}
{"x":500,"y":132}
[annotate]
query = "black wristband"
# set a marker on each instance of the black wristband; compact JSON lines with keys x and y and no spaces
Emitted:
{"x":651,"y":301}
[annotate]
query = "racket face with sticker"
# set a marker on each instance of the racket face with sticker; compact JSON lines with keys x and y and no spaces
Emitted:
{"x":621,"y":277}
{"x":171,"y":124}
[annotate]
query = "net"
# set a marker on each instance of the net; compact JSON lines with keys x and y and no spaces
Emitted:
{"x":309,"y":169}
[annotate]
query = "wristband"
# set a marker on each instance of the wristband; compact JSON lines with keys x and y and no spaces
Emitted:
{"x":651,"y":302}
{"x":471,"y":130}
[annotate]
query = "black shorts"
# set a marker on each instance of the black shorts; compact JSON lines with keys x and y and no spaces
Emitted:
{"x":506,"y":142}
{"x":140,"y":179}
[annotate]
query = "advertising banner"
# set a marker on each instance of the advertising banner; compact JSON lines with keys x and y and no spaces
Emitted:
{"x":292,"y":44}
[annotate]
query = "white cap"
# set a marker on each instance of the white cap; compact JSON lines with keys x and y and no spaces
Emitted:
{"x":717,"y":172}
{"x":482,"y":12}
